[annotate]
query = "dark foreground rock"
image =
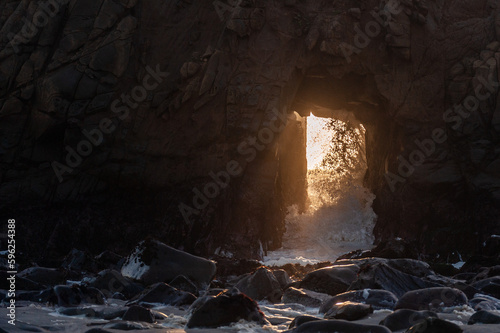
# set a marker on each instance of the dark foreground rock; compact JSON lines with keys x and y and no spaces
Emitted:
{"x":431,"y":299}
{"x":164,"y":294}
{"x":403,"y":319}
{"x":349,"y":311}
{"x":260,"y":285}
{"x":377,"y":298}
{"x":139,"y":313}
{"x":338,"y":326}
{"x":44,"y":276}
{"x":297,"y":321}
{"x":225,"y":309}
{"x":153,"y":261}
{"x":330,"y":280}
{"x":304,"y":297}
{"x":435,"y":325}
{"x":110,"y":282}
{"x":382,"y":276}
{"x":484,"y":317}
{"x":75,"y":295}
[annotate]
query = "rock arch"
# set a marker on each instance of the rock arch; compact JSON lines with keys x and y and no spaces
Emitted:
{"x":399,"y":66}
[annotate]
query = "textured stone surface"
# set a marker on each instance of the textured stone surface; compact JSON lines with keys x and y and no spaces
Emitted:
{"x":228,"y":70}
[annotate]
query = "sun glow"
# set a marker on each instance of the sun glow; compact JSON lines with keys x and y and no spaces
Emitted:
{"x":319,"y":138}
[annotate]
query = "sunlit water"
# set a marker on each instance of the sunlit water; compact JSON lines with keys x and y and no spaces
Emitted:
{"x":340,"y":217}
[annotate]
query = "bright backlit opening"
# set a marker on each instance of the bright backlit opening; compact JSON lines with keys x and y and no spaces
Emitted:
{"x":319,"y":138}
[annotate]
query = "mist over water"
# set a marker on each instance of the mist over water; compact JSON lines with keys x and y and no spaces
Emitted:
{"x":340,"y":217}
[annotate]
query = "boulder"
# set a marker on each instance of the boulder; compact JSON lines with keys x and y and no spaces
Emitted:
{"x":43,"y":275}
{"x":183,"y":283}
{"x":282,"y":276}
{"x":331,"y":280}
{"x":484,"y":317}
{"x":303,"y":296}
{"x":431,"y":299}
{"x":225,"y":309}
{"x":484,"y":302}
{"x":377,"y":298}
{"x":381,"y":276}
{"x":164,"y":294}
{"x":403,"y":318}
{"x":337,"y":326}
{"x":262,"y":284}
{"x":434,"y":325}
{"x":297,"y":321}
{"x":110,"y":282}
{"x":153,"y":261}
{"x":139,"y":313}
{"x":490,"y":286}
{"x":349,"y":311}
{"x":75,"y":295}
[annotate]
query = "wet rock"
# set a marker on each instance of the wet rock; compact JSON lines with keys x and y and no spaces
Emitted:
{"x":43,"y":296}
{"x":468,"y":290}
{"x":262,"y":284}
{"x":484,"y":317}
{"x":330,"y":280}
{"x":21,"y":283}
{"x":404,"y":318}
{"x":337,"y":326}
{"x":225,"y":309}
{"x":110,"y":282}
{"x":90,"y":312}
{"x":183,"y":283}
{"x":304,"y":297}
{"x":153,"y":261}
{"x":282,"y":276}
{"x":297,"y":321}
{"x":490,"y":286}
{"x":45,"y":276}
{"x":139,"y":313}
{"x":235,"y":267}
{"x":74,"y":295}
{"x":164,"y":294}
{"x":431,"y":299}
{"x":381,"y":276}
{"x":378,"y":299}
{"x":348,"y":311}
{"x":484,"y":302}
{"x":79,"y":260}
{"x":434,"y":325}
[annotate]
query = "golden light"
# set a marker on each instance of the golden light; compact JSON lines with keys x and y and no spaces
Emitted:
{"x":319,"y":138}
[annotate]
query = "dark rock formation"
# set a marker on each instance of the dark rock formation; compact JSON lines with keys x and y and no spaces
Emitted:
{"x":303,"y":296}
{"x":152,"y":261}
{"x":138,"y":313}
{"x":124,"y":119}
{"x":434,"y":325}
{"x":164,"y":294}
{"x":340,"y":326}
{"x":260,"y":285}
{"x":225,"y":309}
{"x":348,"y":311}
{"x":403,"y":319}
{"x":330,"y":280}
{"x":378,"y":299}
{"x":431,"y":299}
{"x":484,"y":317}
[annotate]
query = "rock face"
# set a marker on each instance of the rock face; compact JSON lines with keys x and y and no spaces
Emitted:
{"x":124,"y":119}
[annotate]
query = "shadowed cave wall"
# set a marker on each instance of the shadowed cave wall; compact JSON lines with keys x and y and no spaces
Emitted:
{"x":229,"y":69}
